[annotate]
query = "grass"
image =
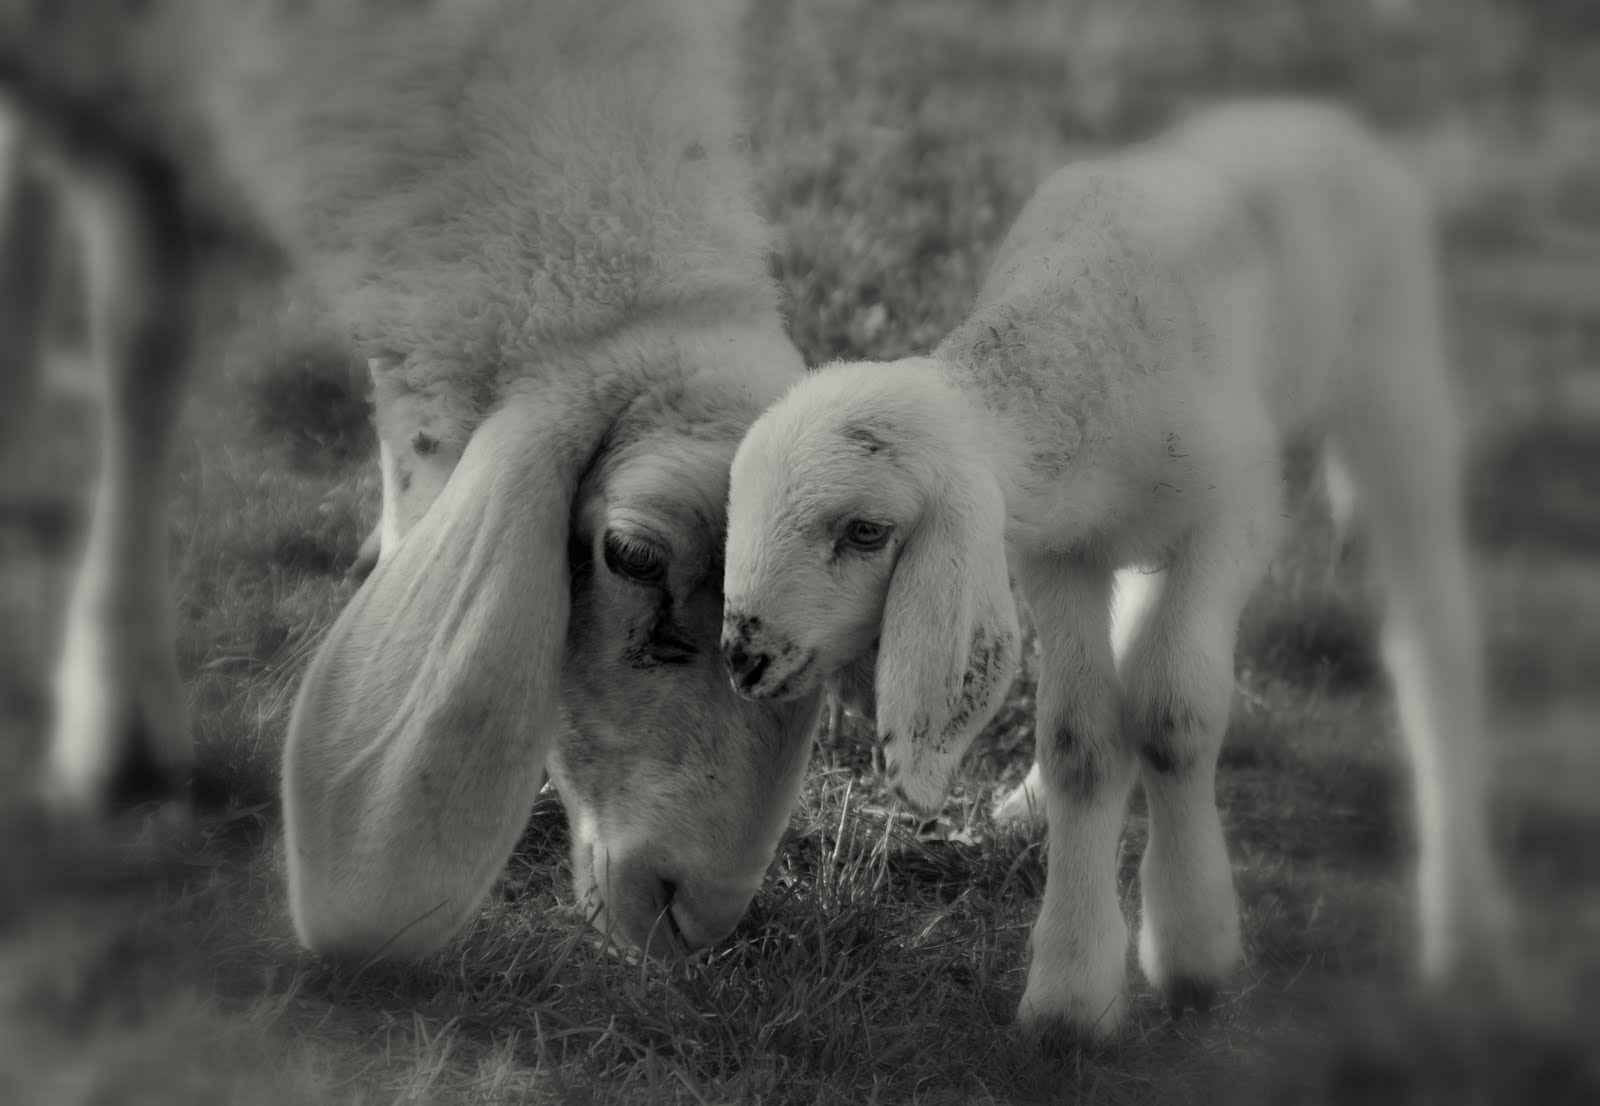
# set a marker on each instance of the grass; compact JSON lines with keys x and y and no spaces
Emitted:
{"x":883,"y":959}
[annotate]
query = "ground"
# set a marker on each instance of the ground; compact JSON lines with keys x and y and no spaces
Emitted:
{"x":884,"y":958}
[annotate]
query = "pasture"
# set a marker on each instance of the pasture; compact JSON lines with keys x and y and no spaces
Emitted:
{"x":884,"y":957}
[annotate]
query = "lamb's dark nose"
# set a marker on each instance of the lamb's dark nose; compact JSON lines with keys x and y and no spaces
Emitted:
{"x":746,"y":667}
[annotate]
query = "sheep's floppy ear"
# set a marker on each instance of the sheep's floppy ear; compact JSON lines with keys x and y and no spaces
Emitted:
{"x":419,"y":736}
{"x":948,"y":650}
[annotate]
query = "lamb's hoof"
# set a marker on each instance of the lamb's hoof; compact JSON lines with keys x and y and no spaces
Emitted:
{"x":1070,"y":1021}
{"x":1190,"y":974}
{"x":1184,"y":993}
{"x":1058,"y":1037}
{"x":1189,"y":942}
{"x":1078,"y":972}
{"x":1023,"y":807}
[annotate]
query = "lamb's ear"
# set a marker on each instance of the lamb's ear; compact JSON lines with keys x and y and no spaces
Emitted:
{"x":418,"y":740}
{"x":949,"y":645}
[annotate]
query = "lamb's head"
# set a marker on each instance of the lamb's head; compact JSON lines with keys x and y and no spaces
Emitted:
{"x":826,"y":489}
{"x":863,"y":514}
{"x":677,"y":788}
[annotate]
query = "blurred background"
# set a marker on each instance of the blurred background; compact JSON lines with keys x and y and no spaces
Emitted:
{"x":895,"y":140}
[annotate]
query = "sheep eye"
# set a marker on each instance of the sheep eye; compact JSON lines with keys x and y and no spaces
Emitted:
{"x":634,"y":558}
{"x":866,"y":536}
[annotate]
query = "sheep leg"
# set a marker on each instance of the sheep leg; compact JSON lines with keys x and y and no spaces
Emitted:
{"x":416,"y":456}
{"x":1407,"y":478}
{"x":120,"y":734}
{"x":27,"y":242}
{"x":1401,"y":443}
{"x":1178,"y":677}
{"x":1023,"y":805}
{"x":385,"y":532}
{"x":1086,"y":768}
{"x":1431,"y":651}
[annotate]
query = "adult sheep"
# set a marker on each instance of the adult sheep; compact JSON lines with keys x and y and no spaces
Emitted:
{"x":534,"y":221}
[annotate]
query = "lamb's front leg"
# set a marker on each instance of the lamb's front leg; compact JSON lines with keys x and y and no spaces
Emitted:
{"x":1076,"y":979}
{"x":1134,"y":595}
{"x":1178,"y":680}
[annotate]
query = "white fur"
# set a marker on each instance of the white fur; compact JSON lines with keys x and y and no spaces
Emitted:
{"x":1135,"y":594}
{"x":1154,"y":327}
{"x":535,"y":222}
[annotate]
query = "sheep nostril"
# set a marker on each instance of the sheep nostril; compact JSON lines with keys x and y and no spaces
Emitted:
{"x":750,"y":677}
{"x":745,"y":667}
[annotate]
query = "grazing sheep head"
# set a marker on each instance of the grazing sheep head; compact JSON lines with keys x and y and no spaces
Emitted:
{"x":863,"y":512}
{"x":556,"y":609}
{"x":677,"y":789}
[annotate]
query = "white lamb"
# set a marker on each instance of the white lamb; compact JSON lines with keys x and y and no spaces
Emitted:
{"x":1154,"y":328}
{"x":533,"y":217}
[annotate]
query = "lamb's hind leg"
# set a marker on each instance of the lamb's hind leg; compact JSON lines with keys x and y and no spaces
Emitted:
{"x":1408,"y":484}
{"x":1080,"y":943}
{"x":1401,"y":441}
{"x":120,"y":733}
{"x":1178,"y":679}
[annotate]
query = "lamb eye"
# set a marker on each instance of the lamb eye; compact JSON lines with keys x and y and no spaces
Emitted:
{"x":866,"y":536}
{"x":635,"y":558}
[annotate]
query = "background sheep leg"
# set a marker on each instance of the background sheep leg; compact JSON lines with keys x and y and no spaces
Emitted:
{"x":120,"y":733}
{"x":388,"y":518}
{"x":415,"y":459}
{"x":27,"y":241}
